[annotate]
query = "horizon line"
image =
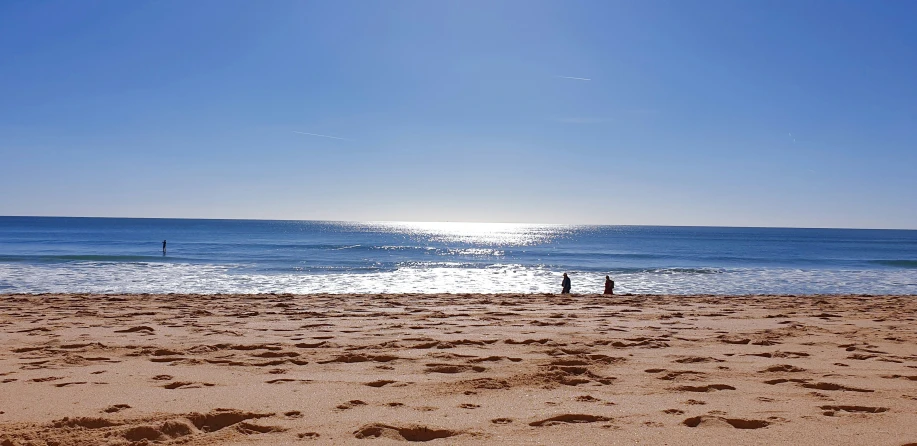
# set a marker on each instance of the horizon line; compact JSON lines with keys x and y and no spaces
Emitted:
{"x":461,"y":222}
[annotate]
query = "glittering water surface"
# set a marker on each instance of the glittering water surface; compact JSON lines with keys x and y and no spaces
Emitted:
{"x":222,"y":256}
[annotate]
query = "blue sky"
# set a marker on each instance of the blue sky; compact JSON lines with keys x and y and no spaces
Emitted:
{"x":729,"y":113}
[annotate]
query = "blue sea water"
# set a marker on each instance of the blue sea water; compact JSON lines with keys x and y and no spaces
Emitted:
{"x":115,"y":255}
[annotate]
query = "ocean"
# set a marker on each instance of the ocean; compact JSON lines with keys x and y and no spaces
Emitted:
{"x":121,"y":255}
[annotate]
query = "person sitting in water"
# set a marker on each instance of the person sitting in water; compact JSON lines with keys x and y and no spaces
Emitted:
{"x":565,"y":284}
{"x":609,"y":285}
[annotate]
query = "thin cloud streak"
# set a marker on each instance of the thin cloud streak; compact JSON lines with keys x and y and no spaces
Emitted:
{"x":323,"y":136}
{"x":574,"y":78}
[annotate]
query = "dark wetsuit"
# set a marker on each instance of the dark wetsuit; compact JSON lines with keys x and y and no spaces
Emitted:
{"x":566,"y":286}
{"x":609,"y":286}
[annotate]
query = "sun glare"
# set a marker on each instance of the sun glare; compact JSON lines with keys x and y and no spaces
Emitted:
{"x":478,"y":233}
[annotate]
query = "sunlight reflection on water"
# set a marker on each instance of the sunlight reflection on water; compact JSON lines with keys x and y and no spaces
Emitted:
{"x":117,"y":255}
{"x":510,"y":234}
{"x":209,"y":279}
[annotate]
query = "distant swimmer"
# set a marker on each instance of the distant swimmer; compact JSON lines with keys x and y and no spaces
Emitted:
{"x":565,"y":284}
{"x":609,"y":285}
{"x":163,"y":247}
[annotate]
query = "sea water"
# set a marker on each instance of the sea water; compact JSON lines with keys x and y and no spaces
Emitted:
{"x":116,"y":255}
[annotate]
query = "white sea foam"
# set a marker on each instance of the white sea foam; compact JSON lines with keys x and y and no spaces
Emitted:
{"x":105,"y":277}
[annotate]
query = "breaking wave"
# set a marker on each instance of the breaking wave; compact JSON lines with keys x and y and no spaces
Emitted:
{"x":152,"y":277}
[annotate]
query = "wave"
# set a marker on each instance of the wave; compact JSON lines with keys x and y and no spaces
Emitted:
{"x":402,"y":248}
{"x":897,"y":263}
{"x":480,"y":252}
{"x":87,"y":258}
{"x":460,"y":265}
{"x":340,"y":269}
{"x":577,"y":254}
{"x":684,"y":270}
{"x":505,"y":278}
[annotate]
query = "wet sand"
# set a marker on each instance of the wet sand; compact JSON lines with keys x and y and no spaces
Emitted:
{"x":457,"y":369}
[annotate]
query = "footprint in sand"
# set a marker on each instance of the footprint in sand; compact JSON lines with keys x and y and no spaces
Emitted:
{"x":713,"y":421}
{"x":272,"y":354}
{"x":287,"y":380}
{"x":116,"y":408}
{"x":696,"y":359}
{"x":833,"y":386}
{"x":689,"y":375}
{"x":142,"y":329}
{"x":707,"y":388}
{"x":354,"y":358}
{"x":782,"y":368}
{"x":786,"y":380}
{"x":186,"y":385}
{"x":409,"y":433}
{"x":453,"y":368}
{"x":222,"y":418}
{"x":49,"y":378}
{"x":907,"y":377}
{"x":350,"y":404}
{"x":831,"y":410}
{"x":252,"y":429}
{"x":569,"y":418}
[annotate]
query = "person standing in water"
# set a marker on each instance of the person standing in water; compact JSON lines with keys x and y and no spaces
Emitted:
{"x":163,"y":247}
{"x":609,"y":285}
{"x":565,"y":284}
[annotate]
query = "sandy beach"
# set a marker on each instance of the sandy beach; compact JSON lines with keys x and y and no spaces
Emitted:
{"x":457,"y":369}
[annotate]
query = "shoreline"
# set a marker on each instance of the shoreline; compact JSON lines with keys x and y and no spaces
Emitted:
{"x":458,"y":294}
{"x":463,"y":368}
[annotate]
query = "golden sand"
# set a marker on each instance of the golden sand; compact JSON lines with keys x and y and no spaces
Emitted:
{"x":457,"y":369}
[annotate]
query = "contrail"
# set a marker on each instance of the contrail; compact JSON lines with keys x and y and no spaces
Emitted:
{"x":316,"y":134}
{"x":575,"y":78}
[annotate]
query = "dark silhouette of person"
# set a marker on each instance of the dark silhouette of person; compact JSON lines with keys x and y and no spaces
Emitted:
{"x":565,"y":284}
{"x":163,"y":247}
{"x":609,"y":285}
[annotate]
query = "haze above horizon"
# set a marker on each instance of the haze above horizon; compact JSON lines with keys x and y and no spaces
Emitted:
{"x":714,"y":113}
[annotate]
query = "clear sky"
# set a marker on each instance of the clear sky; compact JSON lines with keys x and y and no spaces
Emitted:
{"x":727,"y":113}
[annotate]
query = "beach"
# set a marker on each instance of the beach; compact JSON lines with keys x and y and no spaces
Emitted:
{"x":370,"y":369}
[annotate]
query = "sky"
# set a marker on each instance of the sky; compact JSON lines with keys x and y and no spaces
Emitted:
{"x":720,"y":113}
